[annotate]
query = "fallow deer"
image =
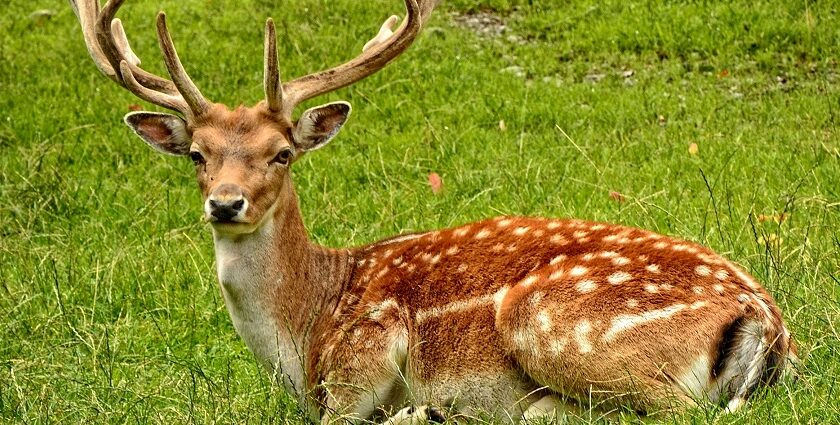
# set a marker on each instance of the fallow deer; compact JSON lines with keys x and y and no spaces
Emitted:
{"x":512,"y":316}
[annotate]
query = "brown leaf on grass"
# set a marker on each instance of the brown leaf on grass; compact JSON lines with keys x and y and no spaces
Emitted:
{"x":693,"y":149}
{"x":776,"y":218}
{"x":435,"y":182}
{"x":617,"y":196}
{"x":134,"y":107}
{"x":723,"y":74}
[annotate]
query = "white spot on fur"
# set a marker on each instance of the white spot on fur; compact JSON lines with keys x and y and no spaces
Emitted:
{"x":462,"y":231}
{"x":557,"y":259}
{"x":625,"y":322}
{"x":680,"y":247}
{"x":528,"y":281}
{"x":558,"y":346}
{"x":536,"y":298}
{"x":511,"y":248}
{"x":660,"y":245}
{"x":482,"y":234}
{"x":619,"y":278}
{"x":610,"y":238}
{"x":718,"y":288}
{"x":721,"y":274}
{"x":697,"y":290}
{"x":498,"y":247}
{"x":698,"y":304}
{"x":608,"y":254}
{"x":643,"y":258}
{"x":597,"y":227}
{"x":544,"y":321}
{"x":703,"y":270}
{"x":665,"y":287}
{"x":582,"y":330}
{"x":382,"y":272}
{"x":539,"y":233}
{"x":435,"y":259}
{"x":621,"y":261}
{"x":653,"y":268}
{"x":454,"y":307}
{"x":585,"y":286}
{"x":400,"y":239}
{"x":557,"y":274}
{"x":578,"y":271}
{"x":553,"y":225}
{"x":580,"y":234}
{"x":651,"y":288}
{"x":397,"y":261}
{"x":519,"y":231}
{"x":632,"y":303}
{"x":559,"y":240}
{"x":462,"y":268}
{"x":588,"y":257}
{"x":452,"y":250}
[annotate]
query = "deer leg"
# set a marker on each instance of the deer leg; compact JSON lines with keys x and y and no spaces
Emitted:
{"x":363,"y":367}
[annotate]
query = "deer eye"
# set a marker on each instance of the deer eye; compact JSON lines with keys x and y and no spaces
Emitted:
{"x":197,"y":158}
{"x":284,"y":157}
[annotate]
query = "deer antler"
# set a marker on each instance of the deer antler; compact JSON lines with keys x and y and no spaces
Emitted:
{"x":111,"y":52}
{"x":377,"y":53}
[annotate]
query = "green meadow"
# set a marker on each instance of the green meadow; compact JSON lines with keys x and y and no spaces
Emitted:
{"x":711,"y":121}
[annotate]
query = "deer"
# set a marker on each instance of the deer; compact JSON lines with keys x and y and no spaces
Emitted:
{"x":512,"y":317}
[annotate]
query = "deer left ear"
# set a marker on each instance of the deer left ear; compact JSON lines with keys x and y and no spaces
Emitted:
{"x":166,"y":133}
{"x":318,"y":125}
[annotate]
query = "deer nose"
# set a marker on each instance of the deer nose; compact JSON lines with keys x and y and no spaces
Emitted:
{"x":226,"y":202}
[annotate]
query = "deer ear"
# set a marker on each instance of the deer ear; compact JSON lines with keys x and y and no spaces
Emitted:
{"x":318,"y":125}
{"x":165,"y":132}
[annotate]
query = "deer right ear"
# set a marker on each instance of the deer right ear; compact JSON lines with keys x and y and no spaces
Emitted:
{"x":318,"y":125}
{"x":166,"y":133}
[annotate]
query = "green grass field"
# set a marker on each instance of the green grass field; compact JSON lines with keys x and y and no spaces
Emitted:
{"x":109,"y":306}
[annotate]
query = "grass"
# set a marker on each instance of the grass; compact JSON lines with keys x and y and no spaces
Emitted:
{"x":109,"y":304}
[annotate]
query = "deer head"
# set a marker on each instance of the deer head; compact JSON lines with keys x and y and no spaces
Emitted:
{"x":242,"y":156}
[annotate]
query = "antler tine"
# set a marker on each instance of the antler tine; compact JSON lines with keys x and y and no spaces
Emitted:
{"x":273,"y":88}
{"x":121,"y":42}
{"x":372,"y":59}
{"x":86,"y":12}
{"x":176,"y":103}
{"x":196,"y":101}
{"x":111,"y":37}
{"x":110,"y":50}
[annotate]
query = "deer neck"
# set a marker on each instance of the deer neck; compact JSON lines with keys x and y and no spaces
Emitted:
{"x":276,"y":284}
